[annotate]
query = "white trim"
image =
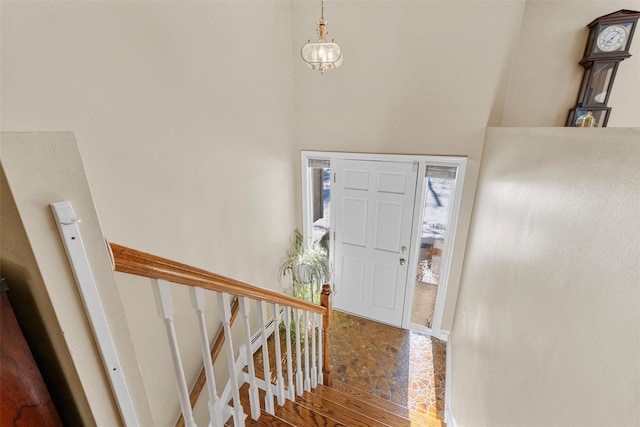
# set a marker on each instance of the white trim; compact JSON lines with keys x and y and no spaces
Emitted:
{"x":447,"y":250}
{"x":262,"y":384}
{"x":256,"y":337}
{"x":449,"y":420}
{"x":422,"y":329}
{"x":67,"y":223}
{"x":227,"y":394}
{"x":448,"y":410}
{"x":307,"y":224}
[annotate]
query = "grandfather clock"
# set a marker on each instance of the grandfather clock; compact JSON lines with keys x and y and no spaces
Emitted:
{"x":608,"y":45}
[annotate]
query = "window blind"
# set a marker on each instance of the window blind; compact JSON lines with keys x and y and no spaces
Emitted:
{"x":446,"y":172}
{"x":319,"y":163}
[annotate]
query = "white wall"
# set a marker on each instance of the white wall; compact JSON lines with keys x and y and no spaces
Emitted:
{"x":546,"y":328}
{"x":183,"y":113}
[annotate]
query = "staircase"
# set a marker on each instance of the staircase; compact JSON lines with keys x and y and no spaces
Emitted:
{"x":339,"y":405}
{"x":299,"y":390}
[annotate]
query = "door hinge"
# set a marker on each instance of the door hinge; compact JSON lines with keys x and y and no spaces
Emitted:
{"x":334,"y":177}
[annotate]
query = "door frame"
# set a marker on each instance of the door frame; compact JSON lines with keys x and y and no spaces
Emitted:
{"x":447,"y":250}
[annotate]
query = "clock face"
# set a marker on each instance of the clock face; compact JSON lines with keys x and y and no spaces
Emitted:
{"x":612,"y":38}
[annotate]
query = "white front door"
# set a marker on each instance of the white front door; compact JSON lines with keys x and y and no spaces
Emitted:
{"x":373,"y":203}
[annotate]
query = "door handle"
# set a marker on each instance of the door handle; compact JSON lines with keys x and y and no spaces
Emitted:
{"x":402,"y":261}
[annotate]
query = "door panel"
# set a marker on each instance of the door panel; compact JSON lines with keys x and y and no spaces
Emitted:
{"x":353,"y":273}
{"x":392,"y":182}
{"x":383,"y":295}
{"x":388,"y":225}
{"x":374,"y":202}
{"x":356,"y":179}
{"x":355,"y":210}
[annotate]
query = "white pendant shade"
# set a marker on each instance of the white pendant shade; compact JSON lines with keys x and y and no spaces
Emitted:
{"x":322,"y":56}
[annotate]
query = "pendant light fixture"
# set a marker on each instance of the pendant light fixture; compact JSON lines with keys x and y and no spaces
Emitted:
{"x":322,"y":55}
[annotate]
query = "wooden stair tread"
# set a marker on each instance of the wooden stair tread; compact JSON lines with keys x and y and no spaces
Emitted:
{"x":265,"y":420}
{"x":330,"y":407}
{"x":340,"y":405}
{"x":292,"y":412}
{"x":372,"y":411}
{"x":342,"y":414}
{"x":391,"y":407}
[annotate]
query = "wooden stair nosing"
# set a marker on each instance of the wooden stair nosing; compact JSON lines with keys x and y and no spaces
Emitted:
{"x":266,"y":420}
{"x":387,"y":405}
{"x":340,"y":413}
{"x":291,"y":412}
{"x":372,"y":399}
{"x":373,"y":411}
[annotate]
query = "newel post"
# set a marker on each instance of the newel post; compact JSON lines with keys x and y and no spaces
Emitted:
{"x":325,"y":301}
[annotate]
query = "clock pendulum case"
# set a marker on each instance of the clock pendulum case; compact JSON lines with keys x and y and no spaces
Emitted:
{"x":608,"y":45}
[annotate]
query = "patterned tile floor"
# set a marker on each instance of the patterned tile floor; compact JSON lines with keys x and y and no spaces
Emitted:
{"x":402,"y":366}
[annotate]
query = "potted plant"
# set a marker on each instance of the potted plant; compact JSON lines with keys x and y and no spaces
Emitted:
{"x":307,"y":267}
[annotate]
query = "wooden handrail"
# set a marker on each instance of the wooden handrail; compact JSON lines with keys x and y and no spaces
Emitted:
{"x":139,"y":263}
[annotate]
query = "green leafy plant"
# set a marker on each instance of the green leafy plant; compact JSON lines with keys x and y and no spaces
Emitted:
{"x":307,"y":267}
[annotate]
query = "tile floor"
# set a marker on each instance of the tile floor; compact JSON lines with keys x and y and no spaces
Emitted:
{"x":402,"y":366}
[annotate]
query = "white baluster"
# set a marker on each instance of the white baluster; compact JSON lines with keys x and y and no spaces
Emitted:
{"x":287,"y":323}
{"x":299,"y":375}
{"x":278,"y":356}
{"x":314,"y":366}
{"x":268,"y":398}
{"x":254,"y":400}
{"x":307,"y":379}
{"x":164,"y":303}
{"x":214,"y":404}
{"x":224,"y":310}
{"x":320,"y":349}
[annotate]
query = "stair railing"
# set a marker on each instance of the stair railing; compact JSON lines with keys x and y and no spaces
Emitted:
{"x":216,"y":348}
{"x":273,"y":308}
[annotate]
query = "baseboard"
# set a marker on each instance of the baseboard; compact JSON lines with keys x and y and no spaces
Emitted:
{"x":448,"y":412}
{"x":449,"y":419}
{"x":256,"y":336}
